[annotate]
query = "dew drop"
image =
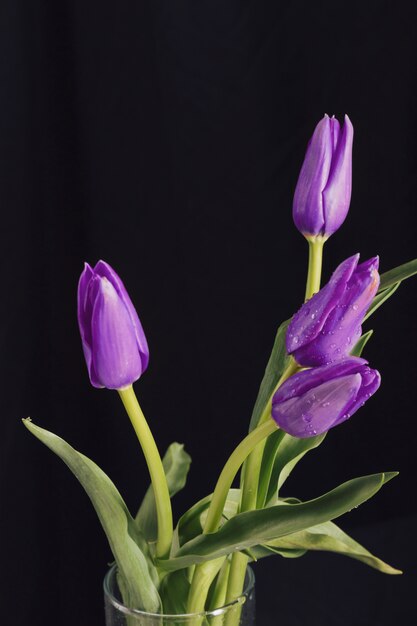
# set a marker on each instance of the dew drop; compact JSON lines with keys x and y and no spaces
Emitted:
{"x":355,"y":307}
{"x":332,"y":346}
{"x":324,"y":404}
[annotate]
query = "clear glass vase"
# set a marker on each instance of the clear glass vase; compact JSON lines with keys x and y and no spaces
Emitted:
{"x":240,"y":612}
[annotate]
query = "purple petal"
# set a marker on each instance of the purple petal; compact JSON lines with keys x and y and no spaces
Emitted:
{"x":337,"y":192}
{"x":308,"y":204}
{"x":303,"y":381}
{"x":371,"y":380}
{"x":343,"y":324}
{"x":84,"y":311}
{"x":104,"y":269}
{"x":335,"y":131}
{"x":309,"y":320}
{"x":319,"y":409}
{"x":117,"y":362}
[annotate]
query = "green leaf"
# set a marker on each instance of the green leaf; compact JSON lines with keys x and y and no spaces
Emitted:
{"x":380,"y":298}
{"x":135,"y":569}
{"x":330,"y":538}
{"x":361,"y":343}
{"x":290,"y":451}
{"x":268,"y":459}
{"x":191,"y":523}
{"x":398,"y":274}
{"x":278,"y":362}
{"x":260,"y":552}
{"x":174,"y":592}
{"x":261,"y":527}
{"x":176,"y":464}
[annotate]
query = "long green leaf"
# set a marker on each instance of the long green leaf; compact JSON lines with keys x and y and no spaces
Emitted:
{"x":276,"y":365}
{"x":361,"y":343}
{"x":261,"y":527}
{"x":137,"y":572}
{"x":268,"y":459}
{"x":327,"y":537}
{"x":380,"y":298}
{"x":176,"y":464}
{"x":397,"y":274}
{"x":290,"y":451}
{"x":174,"y":592}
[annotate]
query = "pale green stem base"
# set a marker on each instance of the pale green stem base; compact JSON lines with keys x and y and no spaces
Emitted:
{"x":235,"y":584}
{"x":156,"y":471}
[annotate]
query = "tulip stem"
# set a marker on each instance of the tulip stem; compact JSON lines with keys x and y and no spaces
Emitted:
{"x":156,"y":470}
{"x":230,"y":470}
{"x":315,"y":257}
{"x":249,"y":488}
{"x":205,"y":573}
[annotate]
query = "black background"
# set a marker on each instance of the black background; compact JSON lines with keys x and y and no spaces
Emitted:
{"x":166,"y":137}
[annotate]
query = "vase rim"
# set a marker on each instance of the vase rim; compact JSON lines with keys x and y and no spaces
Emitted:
{"x":249,"y":585}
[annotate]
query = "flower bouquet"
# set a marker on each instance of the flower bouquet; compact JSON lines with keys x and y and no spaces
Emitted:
{"x":315,"y":379}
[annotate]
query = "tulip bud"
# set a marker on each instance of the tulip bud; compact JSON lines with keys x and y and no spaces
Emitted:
{"x":326,"y":327}
{"x":114,"y":344}
{"x":314,"y":400}
{"x":322,"y":195}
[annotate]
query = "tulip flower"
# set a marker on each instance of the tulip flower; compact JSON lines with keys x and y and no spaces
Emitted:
{"x":326,"y":327}
{"x":114,"y":344}
{"x":314,"y":400}
{"x":322,"y":195}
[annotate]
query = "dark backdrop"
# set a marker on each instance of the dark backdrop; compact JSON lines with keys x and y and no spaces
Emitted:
{"x":166,"y":137}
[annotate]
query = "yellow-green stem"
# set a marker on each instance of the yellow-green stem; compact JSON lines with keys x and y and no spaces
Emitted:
{"x":156,"y":471}
{"x":249,"y":487}
{"x":253,"y":464}
{"x":250,"y":473}
{"x":235,"y":584}
{"x":230,"y":470}
{"x":205,"y":573}
{"x":315,"y":257}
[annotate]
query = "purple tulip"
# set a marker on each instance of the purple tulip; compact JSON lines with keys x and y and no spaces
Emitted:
{"x":328,"y":325}
{"x":314,"y":400}
{"x":114,"y":344}
{"x":322,"y":195}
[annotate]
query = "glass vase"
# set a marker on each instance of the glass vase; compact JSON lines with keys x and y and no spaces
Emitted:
{"x":240,"y":612}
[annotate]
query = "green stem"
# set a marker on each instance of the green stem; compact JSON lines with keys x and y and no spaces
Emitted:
{"x":315,"y":257}
{"x":235,"y":584}
{"x":156,"y":471}
{"x":230,"y":470}
{"x":204,"y":575}
{"x":218,"y":597}
{"x":205,"y":572}
{"x":253,"y":463}
{"x":249,"y":487}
